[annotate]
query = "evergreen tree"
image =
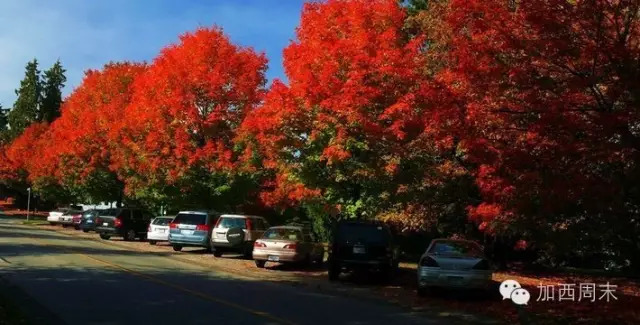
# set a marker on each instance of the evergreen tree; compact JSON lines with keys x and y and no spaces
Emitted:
{"x":53,"y":82}
{"x":25,"y":109}
{"x":3,"y":124}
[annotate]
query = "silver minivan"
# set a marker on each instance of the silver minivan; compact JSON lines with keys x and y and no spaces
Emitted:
{"x":237,"y":233}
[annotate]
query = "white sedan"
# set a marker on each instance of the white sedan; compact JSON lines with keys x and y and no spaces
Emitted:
{"x":159,"y":230}
{"x":54,"y":216}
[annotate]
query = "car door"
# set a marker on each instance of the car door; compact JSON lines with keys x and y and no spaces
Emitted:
{"x":137,"y":222}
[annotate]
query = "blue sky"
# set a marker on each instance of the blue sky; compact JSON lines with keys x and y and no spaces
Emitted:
{"x":88,"y":34}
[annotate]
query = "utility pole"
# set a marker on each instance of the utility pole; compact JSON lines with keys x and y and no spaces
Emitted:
{"x":28,"y":202}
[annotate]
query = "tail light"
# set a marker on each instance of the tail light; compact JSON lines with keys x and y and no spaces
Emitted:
{"x":482,"y":265}
{"x":98,"y":220}
{"x":202,"y":227}
{"x":117,"y":222}
{"x":247,"y":223}
{"x":259,"y":244}
{"x":173,"y":226}
{"x":428,"y":261}
{"x":290,"y":246}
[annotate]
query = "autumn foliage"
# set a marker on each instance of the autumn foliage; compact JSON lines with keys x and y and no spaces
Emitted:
{"x":515,"y":118}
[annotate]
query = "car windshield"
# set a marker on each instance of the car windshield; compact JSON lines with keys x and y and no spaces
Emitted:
{"x":283,"y":234}
{"x":162,"y":221}
{"x":456,"y":248}
{"x":89,"y":214}
{"x":367,"y":233}
{"x":190,"y":219}
{"x":226,"y":222}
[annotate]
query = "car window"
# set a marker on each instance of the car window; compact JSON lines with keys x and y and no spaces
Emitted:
{"x":162,"y":221}
{"x":109,"y":212}
{"x":456,"y":248}
{"x":190,"y":219}
{"x":283,"y":234}
{"x":260,"y":224}
{"x":366,"y":233}
{"x":226,"y":222}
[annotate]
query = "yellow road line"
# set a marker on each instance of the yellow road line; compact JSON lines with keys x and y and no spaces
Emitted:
{"x":178,"y":287}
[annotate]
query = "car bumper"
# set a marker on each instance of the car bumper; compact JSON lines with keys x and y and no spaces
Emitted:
{"x":188,"y":241}
{"x":277,"y":256}
{"x":467,"y":279}
{"x":108,"y":231}
{"x":157,"y":236}
{"x":53,"y":219}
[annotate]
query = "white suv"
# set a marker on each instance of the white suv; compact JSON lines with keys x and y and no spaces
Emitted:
{"x":237,"y":233}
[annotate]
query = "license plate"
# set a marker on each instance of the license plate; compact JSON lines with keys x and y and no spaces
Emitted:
{"x":359,"y":250}
{"x":187,"y":232}
{"x":105,"y":223}
{"x":162,"y":231}
{"x":273,"y":258}
{"x":89,"y":221}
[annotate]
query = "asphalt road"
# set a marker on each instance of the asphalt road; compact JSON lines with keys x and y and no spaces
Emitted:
{"x":76,"y":281}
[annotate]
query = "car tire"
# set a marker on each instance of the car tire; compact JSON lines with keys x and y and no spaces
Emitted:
{"x":152,"y":242}
{"x":65,"y":225}
{"x":177,"y":248}
{"x":217,"y":252}
{"x":260,"y":264}
{"x":85,"y":230}
{"x":52,"y":223}
{"x":334,"y":271}
{"x":130,"y":235}
{"x":104,"y":236}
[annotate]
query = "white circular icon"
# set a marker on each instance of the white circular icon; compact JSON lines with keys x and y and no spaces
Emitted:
{"x":520,"y":296}
{"x":507,"y":286}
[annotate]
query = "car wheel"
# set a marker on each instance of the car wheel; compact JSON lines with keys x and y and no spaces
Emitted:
{"x":217,"y":252}
{"x":334,"y":271}
{"x":130,"y":235}
{"x":152,"y":242}
{"x":65,"y":226}
{"x":260,"y":264}
{"x":177,"y":248}
{"x":52,"y":223}
{"x":105,"y":237}
{"x":85,"y":230}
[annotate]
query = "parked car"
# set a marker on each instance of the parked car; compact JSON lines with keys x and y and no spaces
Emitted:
{"x":192,"y":229}
{"x":159,"y":229}
{"x":88,"y":219}
{"x":362,"y":246}
{"x":67,"y":218}
{"x":454,"y":264}
{"x":287,"y":244}
{"x":127,"y":223}
{"x":237,"y":233}
{"x":54,"y":216}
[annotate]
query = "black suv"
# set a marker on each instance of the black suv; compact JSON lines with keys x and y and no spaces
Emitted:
{"x":362,"y":246}
{"x":127,"y":223}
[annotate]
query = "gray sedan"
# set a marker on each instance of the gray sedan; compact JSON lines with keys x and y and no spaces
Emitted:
{"x":286,"y":244}
{"x":453,"y":263}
